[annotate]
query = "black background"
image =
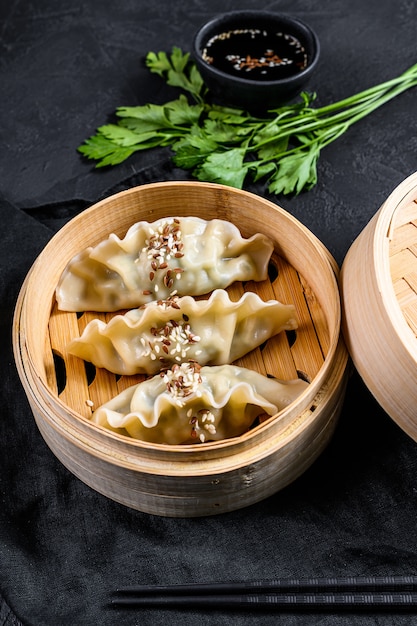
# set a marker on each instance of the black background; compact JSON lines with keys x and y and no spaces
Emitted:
{"x":64,"y":68}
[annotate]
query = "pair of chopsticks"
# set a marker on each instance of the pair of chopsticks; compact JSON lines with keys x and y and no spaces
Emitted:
{"x":347,"y":593}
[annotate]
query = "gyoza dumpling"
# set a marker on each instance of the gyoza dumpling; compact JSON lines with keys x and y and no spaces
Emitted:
{"x":213,"y":331}
{"x":187,"y":255}
{"x":189,"y":404}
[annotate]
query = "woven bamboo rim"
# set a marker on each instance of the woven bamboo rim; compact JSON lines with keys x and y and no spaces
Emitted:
{"x":379,"y":289}
{"x":306,"y":276}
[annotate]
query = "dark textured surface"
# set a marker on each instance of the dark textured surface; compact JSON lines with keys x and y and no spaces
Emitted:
{"x":64,"y":68}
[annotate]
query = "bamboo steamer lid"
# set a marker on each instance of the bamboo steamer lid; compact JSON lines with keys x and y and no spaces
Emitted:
{"x":199,"y":479}
{"x":379,"y":289}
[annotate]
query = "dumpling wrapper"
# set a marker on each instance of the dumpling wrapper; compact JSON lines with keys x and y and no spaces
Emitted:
{"x":189,"y":404}
{"x":187,"y":256}
{"x":213,"y":332}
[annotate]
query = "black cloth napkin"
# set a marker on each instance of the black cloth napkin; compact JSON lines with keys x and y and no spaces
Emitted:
{"x":64,"y":68}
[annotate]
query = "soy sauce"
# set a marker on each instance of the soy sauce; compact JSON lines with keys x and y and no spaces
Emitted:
{"x":256,"y":54}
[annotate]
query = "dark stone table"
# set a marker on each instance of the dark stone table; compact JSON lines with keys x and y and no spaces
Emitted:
{"x":64,"y":68}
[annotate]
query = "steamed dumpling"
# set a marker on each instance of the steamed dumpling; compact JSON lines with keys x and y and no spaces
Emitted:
{"x":184,"y":256}
{"x":213,"y":331}
{"x":189,"y":404}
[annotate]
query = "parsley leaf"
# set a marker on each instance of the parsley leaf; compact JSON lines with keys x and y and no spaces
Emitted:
{"x":177,"y":71}
{"x":224,"y":167}
{"x":193,"y":149}
{"x":295,"y":172}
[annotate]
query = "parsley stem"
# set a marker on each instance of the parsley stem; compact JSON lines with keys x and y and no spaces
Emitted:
{"x":410,"y":74}
{"x":376,"y":98}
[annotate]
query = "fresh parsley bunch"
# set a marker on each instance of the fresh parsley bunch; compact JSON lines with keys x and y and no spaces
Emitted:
{"x":227,"y":145}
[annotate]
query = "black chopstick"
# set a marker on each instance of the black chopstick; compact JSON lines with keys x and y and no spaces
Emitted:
{"x":286,"y":601}
{"x":328,"y":584}
{"x":347,"y":593}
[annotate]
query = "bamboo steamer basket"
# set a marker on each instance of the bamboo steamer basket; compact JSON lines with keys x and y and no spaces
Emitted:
{"x":205,"y":478}
{"x":379,"y":288}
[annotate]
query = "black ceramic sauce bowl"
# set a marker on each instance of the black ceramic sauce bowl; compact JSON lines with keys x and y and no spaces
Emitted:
{"x":255,"y":60}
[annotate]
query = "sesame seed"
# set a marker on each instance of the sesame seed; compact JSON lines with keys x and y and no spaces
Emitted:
{"x":210,"y":428}
{"x":175,"y":338}
{"x":182,"y":380}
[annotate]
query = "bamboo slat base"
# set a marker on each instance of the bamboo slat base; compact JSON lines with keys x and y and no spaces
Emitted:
{"x":403,"y":263}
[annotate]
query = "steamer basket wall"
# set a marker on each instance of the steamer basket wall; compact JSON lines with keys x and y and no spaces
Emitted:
{"x":199,"y":479}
